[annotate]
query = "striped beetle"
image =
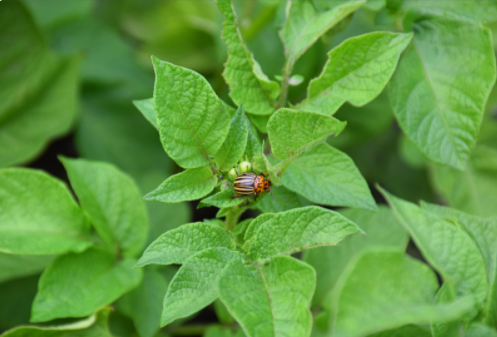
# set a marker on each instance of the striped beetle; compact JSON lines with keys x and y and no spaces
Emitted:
{"x":250,"y":184}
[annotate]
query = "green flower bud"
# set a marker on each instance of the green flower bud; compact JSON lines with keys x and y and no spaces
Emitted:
{"x":232,"y":174}
{"x":245,"y":167}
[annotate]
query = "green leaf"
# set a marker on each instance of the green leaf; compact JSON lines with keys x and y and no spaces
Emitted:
{"x":260,"y":122}
{"x":281,"y":200}
{"x":300,"y":229}
{"x":328,"y":176}
{"x":472,"y":191}
{"x":253,"y":142}
{"x":381,"y":228}
{"x":303,"y":25}
{"x":15,"y":266}
{"x":234,"y":146}
{"x":405,"y":331}
{"x":222,"y":313}
{"x":193,"y":121}
{"x":164,"y":217}
{"x":144,"y":304}
{"x":190,"y":184}
{"x":254,"y":226}
{"x":478,"y":12}
{"x":356,"y":71}
{"x":438,"y":93}
{"x":193,"y":286}
{"x":39,"y":215}
{"x":176,"y":245}
{"x":217,"y":331}
{"x":491,"y":305}
{"x":247,"y":82}
{"x":292,"y":132}
{"x":445,"y":246}
{"x":146,"y":107}
{"x":272,"y":300}
{"x":38,"y":91}
{"x":482,"y":230}
{"x":112,"y":202}
{"x":76,"y":285}
{"x":92,"y":326}
{"x":385,"y":289}
{"x":480,"y":330}
{"x":225,"y":198}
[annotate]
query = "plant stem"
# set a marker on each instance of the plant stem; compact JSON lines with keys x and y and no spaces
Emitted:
{"x":233,"y":216}
{"x":287,"y":71}
{"x":188,"y":330}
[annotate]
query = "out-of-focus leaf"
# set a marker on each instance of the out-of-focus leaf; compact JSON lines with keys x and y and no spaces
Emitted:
{"x":15,"y":266}
{"x":93,"y":326}
{"x":112,"y":202}
{"x":356,"y":71}
{"x":144,"y":304}
{"x":39,"y":215}
{"x":146,"y":107}
{"x":304,"y":25}
{"x":381,"y":228}
{"x":473,"y":190}
{"x":449,"y":249}
{"x":405,"y":331}
{"x":76,"y":285}
{"x":438,"y":94}
{"x":385,"y":289}
{"x":16,"y":297}
{"x":38,"y":91}
{"x":51,"y":13}
{"x":193,"y":121}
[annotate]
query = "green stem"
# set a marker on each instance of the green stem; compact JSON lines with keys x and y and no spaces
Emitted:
{"x":233,"y":216}
{"x":287,"y":71}
{"x":187,"y":330}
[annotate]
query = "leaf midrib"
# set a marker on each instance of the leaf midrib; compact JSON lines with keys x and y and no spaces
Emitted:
{"x":441,"y":114}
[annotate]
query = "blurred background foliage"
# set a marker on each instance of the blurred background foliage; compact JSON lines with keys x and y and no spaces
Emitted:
{"x":81,"y":63}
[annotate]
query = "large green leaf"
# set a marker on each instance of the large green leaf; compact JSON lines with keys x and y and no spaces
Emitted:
{"x":442,"y":84}
{"x":280,"y":200}
{"x":300,"y":229}
{"x":248,"y":84}
{"x":39,"y":215}
{"x":381,"y":228}
{"x":176,"y":245}
{"x":112,"y":202}
{"x":304,"y":25}
{"x":193,"y":121}
{"x":234,"y":146}
{"x":448,"y":248}
{"x":480,"y":330}
{"x":384,"y":289}
{"x":38,"y":91}
{"x":194,"y":285}
{"x":472,"y":190}
{"x":190,"y":184}
{"x":92,"y":326}
{"x":482,"y":230}
{"x":272,"y":300}
{"x":76,"y":285}
{"x":144,"y":304}
{"x":292,"y":132}
{"x":328,"y":176}
{"x":15,"y":266}
{"x":356,"y":71}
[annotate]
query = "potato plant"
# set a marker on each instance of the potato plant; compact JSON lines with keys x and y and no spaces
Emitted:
{"x":338,"y":248}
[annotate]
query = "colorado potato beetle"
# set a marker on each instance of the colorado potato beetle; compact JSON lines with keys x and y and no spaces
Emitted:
{"x":250,"y":184}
